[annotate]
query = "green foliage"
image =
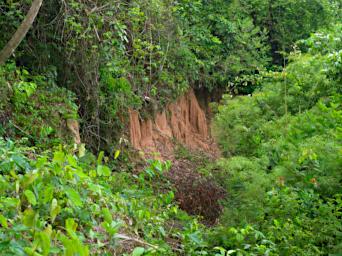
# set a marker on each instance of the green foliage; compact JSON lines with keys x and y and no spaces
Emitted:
{"x":308,"y":79}
{"x":31,"y":107}
{"x":10,"y":18}
{"x":73,"y":205}
{"x":289,"y":21}
{"x":303,"y":152}
{"x":283,"y":176}
{"x":225,"y":42}
{"x":323,"y":42}
{"x":293,"y":223}
{"x":156,"y":50}
{"x":246,"y":183}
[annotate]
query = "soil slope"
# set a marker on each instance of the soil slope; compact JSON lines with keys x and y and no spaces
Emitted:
{"x":183,"y":121}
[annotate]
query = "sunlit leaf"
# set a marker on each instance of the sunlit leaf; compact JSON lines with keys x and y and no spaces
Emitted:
{"x":74,"y":197}
{"x":30,"y":197}
{"x":117,"y":154}
{"x":138,"y":251}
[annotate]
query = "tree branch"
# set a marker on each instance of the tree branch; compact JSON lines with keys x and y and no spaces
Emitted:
{"x":21,"y":32}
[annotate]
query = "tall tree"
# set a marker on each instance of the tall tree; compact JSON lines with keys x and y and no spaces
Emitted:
{"x":21,"y":32}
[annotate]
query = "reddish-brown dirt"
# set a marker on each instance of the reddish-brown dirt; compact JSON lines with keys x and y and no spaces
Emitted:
{"x":183,"y":121}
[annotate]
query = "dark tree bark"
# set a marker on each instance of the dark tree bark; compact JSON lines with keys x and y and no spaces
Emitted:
{"x":21,"y":32}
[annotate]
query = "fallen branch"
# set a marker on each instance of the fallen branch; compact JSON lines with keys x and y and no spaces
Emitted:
{"x":122,"y":236}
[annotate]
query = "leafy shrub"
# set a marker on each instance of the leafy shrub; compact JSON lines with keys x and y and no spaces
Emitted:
{"x":31,"y":106}
{"x":284,"y":176}
{"x":294,"y":223}
{"x":246,"y":183}
{"x":306,"y":80}
{"x":73,"y":204}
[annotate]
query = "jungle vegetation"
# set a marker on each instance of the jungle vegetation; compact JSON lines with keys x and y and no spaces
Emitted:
{"x":278,"y":125}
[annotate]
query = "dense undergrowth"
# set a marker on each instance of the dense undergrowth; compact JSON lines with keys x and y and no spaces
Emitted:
{"x":283,"y":171}
{"x":64,"y":202}
{"x":31,"y":107}
{"x":280,"y":172}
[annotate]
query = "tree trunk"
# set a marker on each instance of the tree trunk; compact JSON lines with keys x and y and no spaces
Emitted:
{"x":19,"y":35}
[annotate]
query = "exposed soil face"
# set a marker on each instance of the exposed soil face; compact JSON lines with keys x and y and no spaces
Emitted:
{"x":183,"y":121}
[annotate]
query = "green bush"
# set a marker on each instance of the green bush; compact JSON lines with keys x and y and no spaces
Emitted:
{"x":283,"y":176}
{"x":32,"y":107}
{"x":71,"y":204}
{"x":246,"y":184}
{"x":306,"y":80}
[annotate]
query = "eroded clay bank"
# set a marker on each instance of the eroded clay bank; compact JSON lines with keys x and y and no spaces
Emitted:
{"x":183,"y":121}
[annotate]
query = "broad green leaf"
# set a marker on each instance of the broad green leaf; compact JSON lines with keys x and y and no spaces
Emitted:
{"x":81,"y":174}
{"x":162,"y":231}
{"x":95,"y":188}
{"x":138,"y":251}
{"x":103,"y":170}
{"x":44,"y":239}
{"x":3,"y":221}
{"x":31,"y":252}
{"x":71,"y":226}
{"x":100,"y":158}
{"x":21,"y":162}
{"x":48,"y":194}
{"x":59,"y":157}
{"x":29,"y":178}
{"x":29,"y":217}
{"x":74,"y":245}
{"x":195,"y":238}
{"x":81,"y":150}
{"x":117,"y":154}
{"x":30,"y":197}
{"x":70,"y":245}
{"x":221,"y":249}
{"x":56,"y":250}
{"x":107,"y":215}
{"x":72,"y":161}
{"x":15,"y":247}
{"x":41,"y":161}
{"x":54,"y":210}
{"x":74,"y":197}
{"x":239,"y":237}
{"x":10,"y":202}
